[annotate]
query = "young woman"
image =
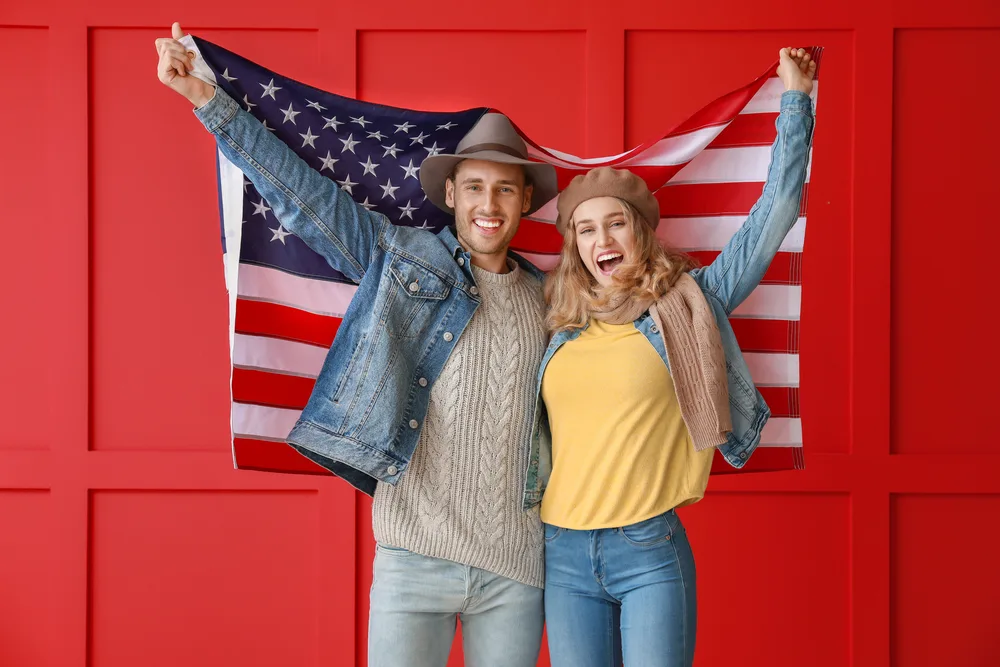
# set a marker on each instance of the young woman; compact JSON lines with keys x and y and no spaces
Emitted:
{"x":642,"y":380}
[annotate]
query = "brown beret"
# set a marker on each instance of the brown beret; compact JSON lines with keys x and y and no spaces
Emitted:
{"x":607,"y":182}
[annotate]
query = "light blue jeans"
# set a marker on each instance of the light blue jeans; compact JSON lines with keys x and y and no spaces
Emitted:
{"x":621,"y":593}
{"x":415,"y":601}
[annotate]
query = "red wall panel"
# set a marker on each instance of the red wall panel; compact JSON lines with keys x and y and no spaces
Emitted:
{"x":944,"y":231}
{"x":509,"y":74}
{"x":943,"y":602}
{"x":795,"y":587}
{"x":126,"y":535}
{"x":204,"y":578}
{"x":22,"y":186}
{"x":27,"y":558}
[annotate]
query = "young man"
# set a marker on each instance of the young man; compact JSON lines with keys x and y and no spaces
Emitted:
{"x":427,"y":397}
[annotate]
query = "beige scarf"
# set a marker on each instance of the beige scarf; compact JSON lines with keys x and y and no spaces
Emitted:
{"x":694,"y":352}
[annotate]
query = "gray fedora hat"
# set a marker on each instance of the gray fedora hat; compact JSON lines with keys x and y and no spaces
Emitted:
{"x":493,"y":139}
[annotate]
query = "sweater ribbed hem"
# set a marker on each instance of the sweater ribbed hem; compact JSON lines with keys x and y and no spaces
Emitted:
{"x":524,"y":563}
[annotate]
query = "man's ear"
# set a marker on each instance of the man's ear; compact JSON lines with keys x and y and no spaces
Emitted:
{"x":526,"y":206}
{"x":449,"y":193}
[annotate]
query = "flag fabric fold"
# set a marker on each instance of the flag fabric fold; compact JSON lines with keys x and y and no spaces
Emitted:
{"x":286,"y":302}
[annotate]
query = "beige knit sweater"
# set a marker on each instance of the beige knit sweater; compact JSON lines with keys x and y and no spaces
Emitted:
{"x":461,"y":497}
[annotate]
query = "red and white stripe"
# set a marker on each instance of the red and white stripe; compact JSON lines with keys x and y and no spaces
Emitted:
{"x":706,"y":174}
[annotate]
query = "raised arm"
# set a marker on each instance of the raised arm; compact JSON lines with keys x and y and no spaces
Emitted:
{"x":741,"y":265}
{"x":307,"y":204}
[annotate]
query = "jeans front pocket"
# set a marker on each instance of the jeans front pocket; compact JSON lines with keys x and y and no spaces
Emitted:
{"x":393,"y":551}
{"x":646,"y":533}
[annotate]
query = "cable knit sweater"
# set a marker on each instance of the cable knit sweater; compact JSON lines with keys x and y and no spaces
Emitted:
{"x":461,"y":498}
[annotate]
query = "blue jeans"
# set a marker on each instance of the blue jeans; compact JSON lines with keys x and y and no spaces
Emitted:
{"x":621,"y":593}
{"x":415,"y":601}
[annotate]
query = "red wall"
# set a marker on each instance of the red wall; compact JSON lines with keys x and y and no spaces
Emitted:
{"x":127,"y":539}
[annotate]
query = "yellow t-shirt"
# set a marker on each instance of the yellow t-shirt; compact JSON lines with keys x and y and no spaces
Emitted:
{"x":621,"y":452}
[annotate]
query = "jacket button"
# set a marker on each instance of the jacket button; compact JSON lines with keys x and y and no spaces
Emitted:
{"x":447,"y":336}
{"x":392,"y":470}
{"x":474,"y":291}
{"x":654,"y":329}
{"x":422,"y":382}
{"x":461,"y":261}
{"x":414,"y":286}
{"x":414,"y":423}
{"x":743,"y":455}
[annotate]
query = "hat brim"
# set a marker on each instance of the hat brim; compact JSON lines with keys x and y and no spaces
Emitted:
{"x":434,"y":170}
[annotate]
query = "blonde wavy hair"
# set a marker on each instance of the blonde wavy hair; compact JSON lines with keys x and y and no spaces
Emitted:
{"x":573,"y":293}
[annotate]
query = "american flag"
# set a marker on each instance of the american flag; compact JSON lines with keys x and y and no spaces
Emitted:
{"x":286,"y":302}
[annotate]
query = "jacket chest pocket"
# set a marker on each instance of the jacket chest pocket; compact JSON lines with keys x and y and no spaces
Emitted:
{"x":416,"y":294}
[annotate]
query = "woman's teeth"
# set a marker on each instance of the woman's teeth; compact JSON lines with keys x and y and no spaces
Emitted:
{"x":608,"y":261}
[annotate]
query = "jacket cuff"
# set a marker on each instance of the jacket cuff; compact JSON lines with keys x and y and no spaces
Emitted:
{"x":217,"y":111}
{"x":796,"y":100}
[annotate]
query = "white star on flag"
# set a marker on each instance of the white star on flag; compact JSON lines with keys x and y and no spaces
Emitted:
{"x":369,"y":166}
{"x":360,"y":120}
{"x":407,"y":211}
{"x":225,"y":75}
{"x":309,"y":138}
{"x":419,"y":139}
{"x":290,"y":114}
{"x":388,"y":190}
{"x":410,"y":170}
{"x":328,"y":162}
{"x":391,"y":150}
{"x":280,"y":234}
{"x":332,"y":122}
{"x":316,"y":105}
{"x":347,"y":184}
{"x":269,"y":90}
{"x":261,"y":208}
{"x":349,"y":143}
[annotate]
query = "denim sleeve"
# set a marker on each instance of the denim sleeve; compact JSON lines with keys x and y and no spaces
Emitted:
{"x":307,"y":204}
{"x":741,"y":265}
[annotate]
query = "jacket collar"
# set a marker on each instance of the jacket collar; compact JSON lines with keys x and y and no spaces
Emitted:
{"x":447,"y":236}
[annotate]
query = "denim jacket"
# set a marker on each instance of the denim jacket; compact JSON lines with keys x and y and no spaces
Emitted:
{"x":726,"y":282}
{"x":415,"y":296}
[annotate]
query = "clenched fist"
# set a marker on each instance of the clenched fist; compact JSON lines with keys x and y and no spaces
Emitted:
{"x":175,"y":66}
{"x":796,"y":69}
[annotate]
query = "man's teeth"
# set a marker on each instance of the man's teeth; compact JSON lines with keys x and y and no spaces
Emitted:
{"x":489,"y":224}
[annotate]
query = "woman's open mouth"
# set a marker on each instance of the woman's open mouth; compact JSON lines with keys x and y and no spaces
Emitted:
{"x":607,"y":262}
